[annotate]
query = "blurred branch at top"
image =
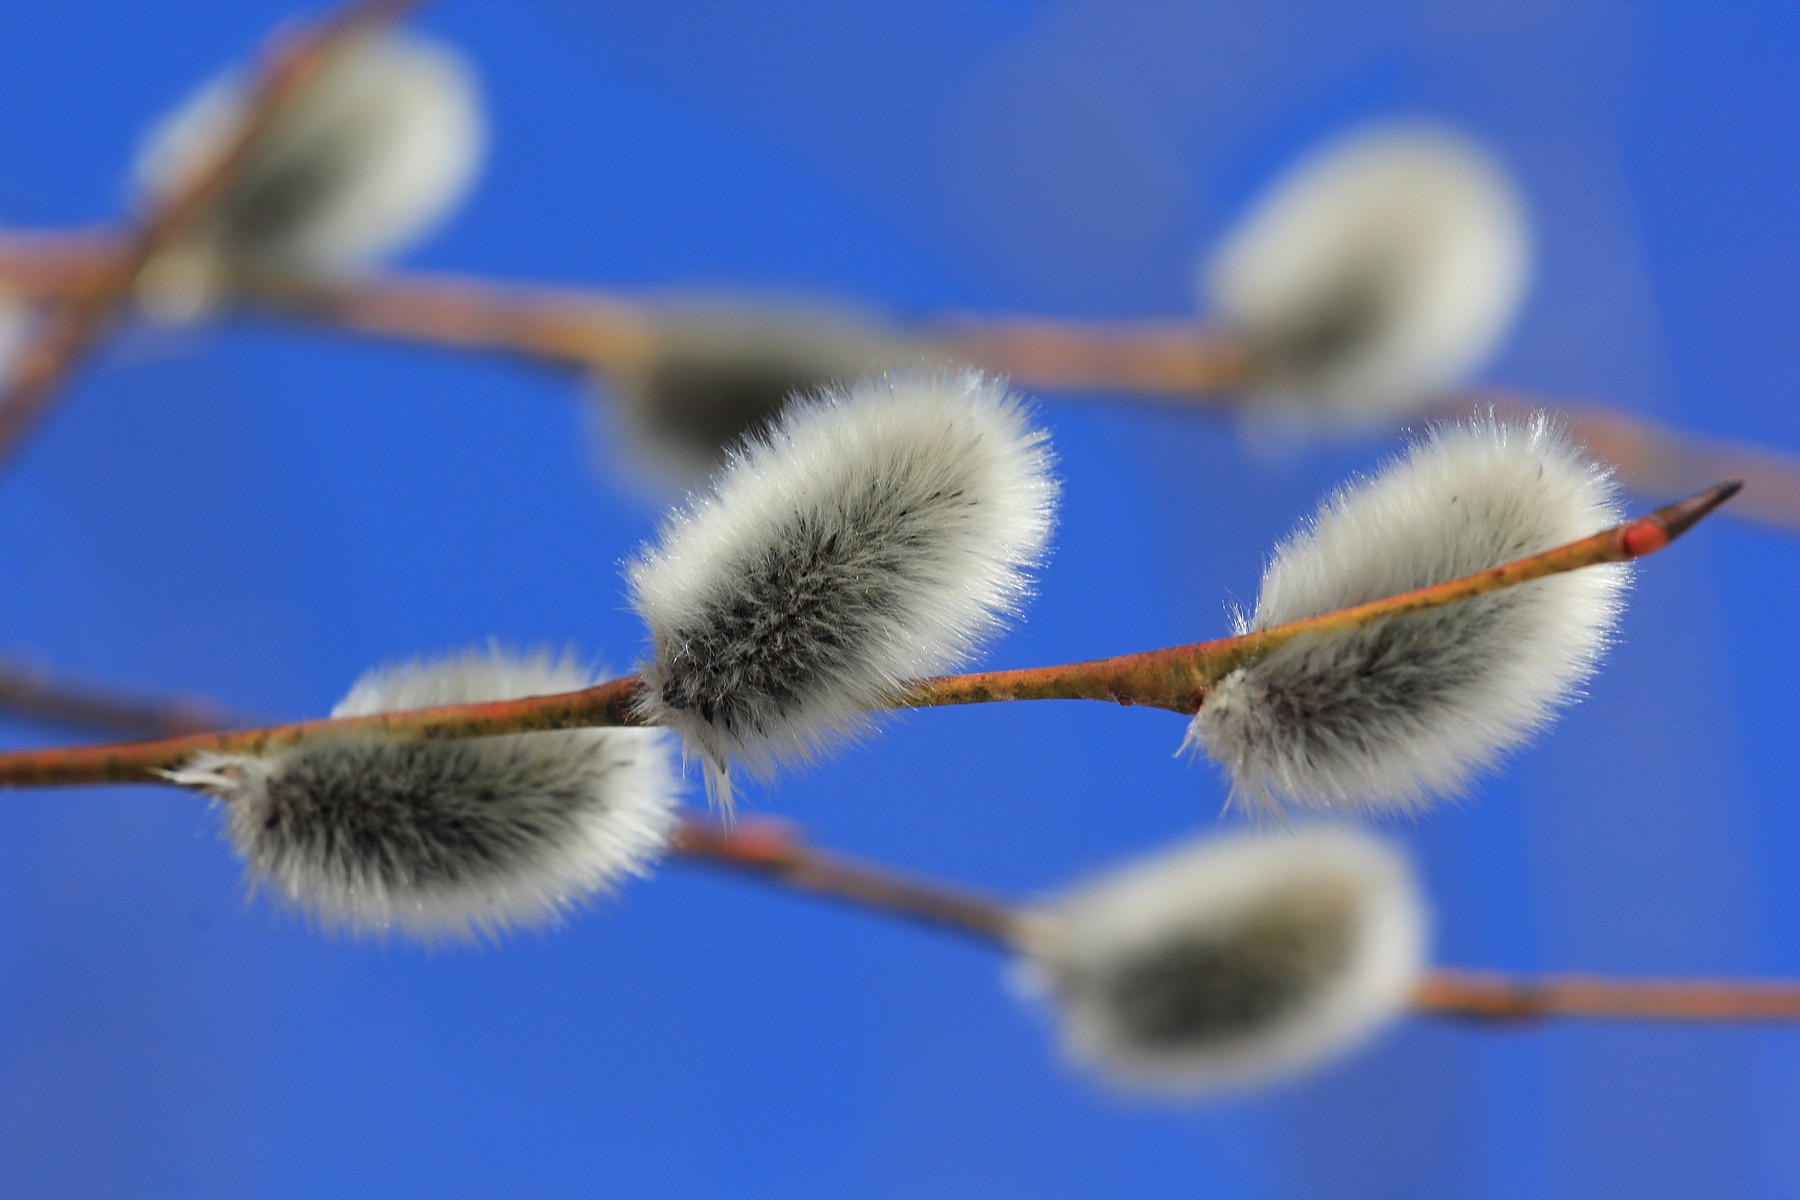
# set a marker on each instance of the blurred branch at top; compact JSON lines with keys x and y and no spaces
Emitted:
{"x":211,"y":167}
{"x":638,"y":346}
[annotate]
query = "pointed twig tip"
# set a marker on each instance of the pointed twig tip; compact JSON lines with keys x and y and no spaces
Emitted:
{"x":1653,"y":531}
{"x":1681,"y":516}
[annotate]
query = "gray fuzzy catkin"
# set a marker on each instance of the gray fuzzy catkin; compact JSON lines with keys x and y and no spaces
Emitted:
{"x":371,"y":154}
{"x":1393,"y":714}
{"x":1233,"y":961}
{"x":875,"y":534}
{"x":721,"y":370}
{"x":1379,"y":272}
{"x":448,"y":837}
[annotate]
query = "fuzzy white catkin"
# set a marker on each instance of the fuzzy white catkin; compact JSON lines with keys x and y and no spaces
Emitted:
{"x":1392,"y":714}
{"x":1235,"y":961}
{"x":365,"y":160}
{"x":452,"y":838}
{"x":875,"y":534}
{"x":1380,"y":272}
{"x":723,"y":369}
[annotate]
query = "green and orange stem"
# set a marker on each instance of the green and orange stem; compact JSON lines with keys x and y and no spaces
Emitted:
{"x":1176,"y":679}
{"x":76,"y":325}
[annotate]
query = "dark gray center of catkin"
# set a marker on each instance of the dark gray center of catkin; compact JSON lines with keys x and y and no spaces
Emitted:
{"x":1205,"y":987}
{"x":1330,"y":330}
{"x":806,"y":610}
{"x":278,"y":195}
{"x":426,"y":813}
{"x":709,"y":402}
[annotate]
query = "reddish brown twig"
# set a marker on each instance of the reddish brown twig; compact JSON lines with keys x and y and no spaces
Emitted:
{"x":57,"y":266}
{"x":140,"y":762}
{"x":589,"y":329}
{"x":581,"y":329}
{"x":1172,"y":360}
{"x":1491,"y":996}
{"x":1175,"y":679}
{"x":40,"y":696}
{"x":585,"y":329}
{"x":772,"y":850}
{"x":1655,"y":458}
{"x":73,"y":328}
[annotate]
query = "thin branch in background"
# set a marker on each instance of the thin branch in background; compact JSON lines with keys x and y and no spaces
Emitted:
{"x":773,"y":852}
{"x":1490,"y":996}
{"x":584,"y":329}
{"x":58,"y":266}
{"x":36,"y":694}
{"x":1656,"y":458}
{"x":1168,"y":361}
{"x":1177,"y":361}
{"x":76,"y":326}
{"x":1175,"y":679}
{"x":560,"y":328}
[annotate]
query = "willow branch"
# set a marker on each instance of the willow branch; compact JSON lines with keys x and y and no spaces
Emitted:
{"x":1171,"y":360}
{"x":76,"y":326}
{"x":37,"y":695}
{"x":1176,"y":679}
{"x":772,"y":851}
{"x":1491,"y":996}
{"x":1656,"y":458}
{"x":609,"y":703}
{"x":584,"y":330}
{"x":575,"y":330}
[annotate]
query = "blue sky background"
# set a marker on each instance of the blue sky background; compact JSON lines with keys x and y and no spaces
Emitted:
{"x":258,"y":514}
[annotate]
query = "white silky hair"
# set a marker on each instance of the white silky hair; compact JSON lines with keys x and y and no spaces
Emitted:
{"x":1379,"y":272}
{"x":15,"y":332}
{"x":723,"y":368}
{"x":876,"y":533}
{"x":1232,"y":962}
{"x":1393,"y":714}
{"x":453,"y":837}
{"x":366,"y":159}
